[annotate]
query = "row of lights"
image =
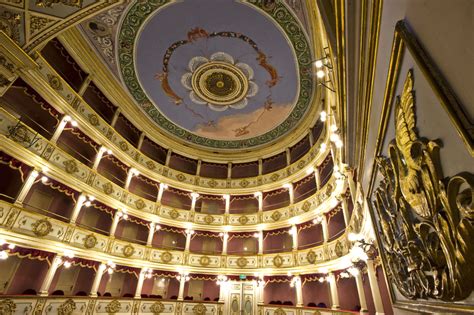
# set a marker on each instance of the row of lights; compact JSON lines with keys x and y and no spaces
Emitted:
{"x":68,"y":118}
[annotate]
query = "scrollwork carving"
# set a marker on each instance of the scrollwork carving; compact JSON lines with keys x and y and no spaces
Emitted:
{"x":425,"y":219}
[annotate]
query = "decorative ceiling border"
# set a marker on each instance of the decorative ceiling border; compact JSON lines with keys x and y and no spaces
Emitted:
{"x":131,"y":25}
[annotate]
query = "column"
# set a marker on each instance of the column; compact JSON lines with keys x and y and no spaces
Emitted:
{"x":333,"y":289}
{"x":162,"y":188}
{"x":198,"y":168}
{"x":97,"y":278}
{"x":227,"y":203}
{"x":222,"y":290}
{"x":311,"y":138}
{"x":182,"y":282}
{"x":26,"y":187}
{"x":151,"y":233}
{"x":116,"y":116}
{"x":225,"y":239}
{"x":261,"y":287}
{"x":260,"y":166}
{"x":57,"y":261}
{"x":345,"y":211}
{"x":229,"y":170}
{"x":259,"y":196}
{"x":131,"y":172}
{"x":194,"y":197}
{"x":168,"y":157}
{"x":294,"y":235}
{"x":317,"y":178}
{"x":77,"y":207}
{"x":98,"y":157}
{"x":60,"y":128}
{"x":189,"y":233}
{"x":85,"y":85}
{"x":260,"y":242}
{"x":141,"y":279}
{"x":115,"y":222}
{"x":289,"y":186}
{"x":374,"y":287}
{"x":140,"y":140}
{"x":299,"y":292}
{"x":324,"y":225}
{"x":360,"y":290}
{"x":288,"y":156}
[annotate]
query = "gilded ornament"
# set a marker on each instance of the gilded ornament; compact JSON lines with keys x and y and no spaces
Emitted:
{"x":275,"y":177}
{"x":67,"y":308}
{"x":90,"y":241}
{"x":128,"y":250}
{"x":7,"y":307}
{"x":181,"y":177}
{"x":199,"y":309}
{"x":166,"y":257}
{"x":50,"y":3}
{"x":150,"y":165}
{"x":108,"y":188}
{"x":208,"y":219}
{"x":42,"y":227}
{"x":301,"y":164}
{"x":306,"y":206}
{"x":139,"y":204}
{"x":244,"y":183}
{"x":157,"y":308}
{"x":317,"y":312}
{"x":242,"y":262}
{"x":204,"y":261}
{"x":93,"y":119}
{"x":174,"y":214}
{"x":276,"y":215}
{"x":425,"y":219}
{"x":243,"y":220}
{"x":278,"y":261}
{"x":279,"y":311}
{"x":311,"y":257}
{"x":55,"y":82}
{"x":212,"y":183}
{"x":123,"y":145}
{"x":113,"y":307}
{"x":339,"y":249}
{"x":70,"y":166}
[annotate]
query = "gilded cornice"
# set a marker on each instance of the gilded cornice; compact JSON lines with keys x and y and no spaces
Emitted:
{"x":82,"y":178}
{"x":18,"y":225}
{"x":68,"y":101}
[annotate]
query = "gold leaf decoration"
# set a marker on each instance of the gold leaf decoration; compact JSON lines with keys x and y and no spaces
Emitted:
{"x":67,"y":308}
{"x":243,"y":220}
{"x":339,"y":249}
{"x":199,"y":309}
{"x":208,"y":219}
{"x":93,"y":119}
{"x":140,"y":204}
{"x":157,"y":308}
{"x":279,"y":311}
{"x":150,"y":165}
{"x":274,"y":177}
{"x":42,"y":227}
{"x":123,"y":145}
{"x":212,"y":183}
{"x":311,"y":257}
{"x":244,"y":183}
{"x":181,"y":177}
{"x":306,"y":206}
{"x":108,"y":188}
{"x":55,"y":82}
{"x":278,"y":261}
{"x":276,"y":215}
{"x":166,"y":257}
{"x":174,"y":214}
{"x":113,"y":307}
{"x":204,"y":261}
{"x":70,"y":166}
{"x":7,"y":307}
{"x":128,"y":250}
{"x":242,"y":262}
{"x":425,"y":219}
{"x":90,"y":241}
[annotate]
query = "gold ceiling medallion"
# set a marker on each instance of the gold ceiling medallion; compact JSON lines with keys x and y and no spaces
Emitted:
{"x":278,"y":261}
{"x":67,"y":308}
{"x":426,"y":218}
{"x":7,"y":307}
{"x":242,"y":262}
{"x":166,"y":257}
{"x":128,"y":250}
{"x":42,"y":227}
{"x":157,"y":308}
{"x":311,"y":257}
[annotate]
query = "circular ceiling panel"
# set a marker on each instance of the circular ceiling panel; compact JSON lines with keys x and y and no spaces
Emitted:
{"x":217,"y":73}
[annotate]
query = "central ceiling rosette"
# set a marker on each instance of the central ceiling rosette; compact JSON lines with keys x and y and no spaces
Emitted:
{"x":229,"y":75}
{"x":219,"y":83}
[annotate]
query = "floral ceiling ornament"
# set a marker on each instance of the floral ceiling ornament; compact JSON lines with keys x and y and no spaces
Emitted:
{"x":219,"y":82}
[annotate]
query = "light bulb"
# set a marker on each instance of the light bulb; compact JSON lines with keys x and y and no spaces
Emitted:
{"x":333,"y":128}
{"x":67,"y":118}
{"x":323,"y":146}
{"x":91,"y":198}
{"x":87,"y":203}
{"x":310,"y":170}
{"x":45,"y":169}
{"x":110,"y":271}
{"x":74,"y":123}
{"x":125,"y":216}
{"x":3,"y":255}
{"x":320,"y":74}
{"x":257,"y":194}
{"x":44,"y":179}
{"x":11,"y":246}
{"x":34,"y":174}
{"x":67,"y":264}
{"x":339,"y":144}
{"x":109,"y":151}
{"x":318,"y":63}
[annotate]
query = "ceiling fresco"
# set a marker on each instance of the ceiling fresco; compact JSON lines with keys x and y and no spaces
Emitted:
{"x":223,"y":74}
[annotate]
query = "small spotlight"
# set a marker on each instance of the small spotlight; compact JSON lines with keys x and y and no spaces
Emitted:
{"x":320,"y":74}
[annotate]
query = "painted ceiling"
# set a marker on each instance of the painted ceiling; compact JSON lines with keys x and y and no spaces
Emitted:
{"x":222,"y":74}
